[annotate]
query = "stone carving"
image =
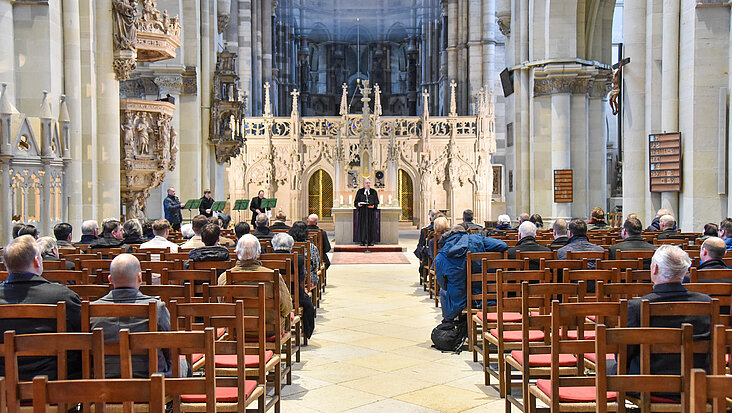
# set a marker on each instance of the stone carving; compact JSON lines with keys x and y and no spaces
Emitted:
{"x":227,"y":109}
{"x":158,"y":35}
{"x":149,"y":150}
{"x":453,"y":103}
{"x":124,"y":13}
{"x":504,"y":25}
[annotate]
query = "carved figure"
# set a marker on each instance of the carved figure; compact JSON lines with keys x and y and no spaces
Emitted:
{"x":128,"y":139}
{"x":173,"y":148}
{"x":143,"y":136}
{"x":615,"y":92}
{"x":125,"y":32}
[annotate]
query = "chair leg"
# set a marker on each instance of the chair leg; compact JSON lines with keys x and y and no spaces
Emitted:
{"x":289,"y":360}
{"x":507,"y":379}
{"x":501,"y":368}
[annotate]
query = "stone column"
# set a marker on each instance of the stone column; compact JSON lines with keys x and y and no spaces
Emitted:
{"x":670,"y":86}
{"x":489,"y":44}
{"x":729,"y":116}
{"x":266,"y":17}
{"x":108,"y":150}
{"x":244,"y":23}
{"x":475,"y":50}
{"x":560,"y":145}
{"x":7,"y":57}
{"x":73,"y":181}
{"x":597,"y":150}
{"x":452,"y":40}
{"x":208,"y":63}
{"x":189,"y":135}
{"x":634,"y":110}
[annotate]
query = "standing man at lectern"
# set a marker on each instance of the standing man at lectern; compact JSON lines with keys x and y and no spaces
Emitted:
{"x":367,"y":200}
{"x":256,"y":207}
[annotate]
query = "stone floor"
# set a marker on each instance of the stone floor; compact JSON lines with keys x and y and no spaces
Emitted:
{"x":371,"y":350}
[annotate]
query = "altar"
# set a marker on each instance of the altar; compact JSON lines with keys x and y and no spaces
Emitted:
{"x":388,"y":226}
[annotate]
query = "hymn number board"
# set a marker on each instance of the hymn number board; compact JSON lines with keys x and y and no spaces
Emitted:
{"x":665,"y":162}
{"x":563,"y":182}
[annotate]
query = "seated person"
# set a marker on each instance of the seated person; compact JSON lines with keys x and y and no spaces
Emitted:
{"x":225,"y":241}
{"x":125,"y":276}
{"x":280,"y":222}
{"x":49,"y":251}
{"x":668,"y":228}
{"x":668,"y":266}
{"x":89,"y":232}
{"x":16,"y":229}
{"x":632,"y":240}
{"x":523,"y":217}
{"x":112,"y":235}
{"x":147,"y":230}
{"x":199,"y":221}
{"x":211,"y":251}
{"x":597,"y":219}
{"x":161,"y":229}
{"x":725,"y":232}
{"x":710,"y":256}
{"x":468,"y":221}
{"x":248,"y":250}
{"x":62,"y":232}
{"x":282,"y":243}
{"x":578,"y":241}
{"x":560,"y":233}
{"x":451,"y":268}
{"x":262,"y":231}
{"x":710,"y":230}
{"x":421,"y":251}
{"x":656,"y":222}
{"x":133,"y":232}
{"x":186,"y":231}
{"x":504,"y":223}
{"x":527,"y":242}
{"x":241,"y":229}
{"x":441,"y":227}
{"x":536,"y":219}
{"x":29,"y":230}
{"x":299,"y":233}
{"x":312,"y":222}
{"x":26,"y":285}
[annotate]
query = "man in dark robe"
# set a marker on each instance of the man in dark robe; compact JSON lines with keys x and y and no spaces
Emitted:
{"x":367,"y":200}
{"x":256,"y":207}
{"x":206,"y":204}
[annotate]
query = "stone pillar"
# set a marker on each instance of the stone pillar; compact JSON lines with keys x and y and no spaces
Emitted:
{"x":670,"y":86}
{"x":7,"y":57}
{"x":489,"y":45}
{"x":597,"y":150}
{"x":475,"y":51}
{"x":245,"y":47}
{"x":189,"y":156}
{"x":266,"y":17}
{"x":560,"y":145}
{"x":73,"y":180}
{"x":452,"y":40}
{"x":208,"y":63}
{"x":108,"y":150}
{"x":729,"y":117}
{"x":634,"y":110}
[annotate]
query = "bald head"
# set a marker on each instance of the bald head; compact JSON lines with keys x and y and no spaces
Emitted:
{"x":125,"y":271}
{"x":666,"y":222}
{"x":313,"y":219}
{"x":663,"y":211}
{"x":713,"y":248}
{"x":524,"y":217}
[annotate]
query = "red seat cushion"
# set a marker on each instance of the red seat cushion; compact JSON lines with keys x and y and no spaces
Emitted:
{"x":593,"y":357}
{"x":545,"y":360}
{"x":656,"y":399}
{"x":250,"y":360}
{"x":223,"y":394}
{"x":588,"y":334}
{"x":509,"y":317}
{"x":195,"y":358}
{"x":573,"y":394}
{"x":220,"y":332}
{"x":534,"y":335}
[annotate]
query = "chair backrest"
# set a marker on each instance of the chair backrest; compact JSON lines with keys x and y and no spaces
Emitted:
{"x":615,"y":291}
{"x":167,"y":293}
{"x":91,"y":346}
{"x":507,"y":265}
{"x":696,"y":275}
{"x":633,"y":255}
{"x":206,"y":265}
{"x":591,"y":276}
{"x":722,"y":292}
{"x":108,"y":253}
{"x":590,"y":255}
{"x":54,"y":265}
{"x":293,"y":256}
{"x":557,"y":266}
{"x":150,"y":391}
{"x":285,"y":269}
{"x":147,"y":311}
{"x":96,"y":267}
{"x":637,"y":276}
{"x":67,"y":277}
{"x":651,"y":341}
{"x":536,"y":255}
{"x":704,"y":387}
{"x":173,"y":256}
{"x":91,"y":292}
{"x":622,"y":265}
{"x":508,"y":294}
{"x":23,"y":312}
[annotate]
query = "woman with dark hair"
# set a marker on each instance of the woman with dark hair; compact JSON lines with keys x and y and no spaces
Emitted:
{"x":299,"y":233}
{"x":710,"y":230}
{"x":536,"y":220}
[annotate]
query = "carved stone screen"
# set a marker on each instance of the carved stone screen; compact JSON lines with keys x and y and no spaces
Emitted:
{"x":665,"y":162}
{"x":563,"y":182}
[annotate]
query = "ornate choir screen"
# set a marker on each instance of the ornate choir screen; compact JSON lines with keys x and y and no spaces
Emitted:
{"x":447,"y":159}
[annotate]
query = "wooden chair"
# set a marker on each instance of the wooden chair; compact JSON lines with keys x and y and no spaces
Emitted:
{"x":703,"y":388}
{"x":558,"y":266}
{"x":189,"y":345}
{"x":303,"y":248}
{"x":75,"y":258}
{"x":151,"y":270}
{"x":633,"y":255}
{"x":108,"y":253}
{"x":589,"y":255}
{"x":637,"y":276}
{"x":506,"y":334}
{"x":724,"y":275}
{"x":574,"y":393}
{"x":285,"y":268}
{"x":167,"y":293}
{"x":722,"y":292}
{"x":96,"y":267}
{"x":533,"y":360}
{"x":54,"y":265}
{"x":150,"y":391}
{"x":535,"y":257}
{"x":91,"y":292}
{"x":57,"y":345}
{"x":651,"y":341}
{"x":192,"y":279}
{"x":67,"y":277}
{"x":207,"y":265}
{"x":432,"y":285}
{"x":621,"y":265}
{"x":232,"y":354}
{"x":612,"y":292}
{"x":478,"y":277}
{"x":64,"y":251}
{"x":592,"y":276}
{"x":174,"y":256}
{"x":279,"y":337}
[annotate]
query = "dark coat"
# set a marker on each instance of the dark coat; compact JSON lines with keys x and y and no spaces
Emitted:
{"x":669,"y":234}
{"x":107,"y":242}
{"x":255,"y":205}
{"x":279,"y":225}
{"x":713,"y":265}
{"x":527,"y":244}
{"x":308,"y":310}
{"x":206,"y":203}
{"x":632,"y":243}
{"x":27,"y":288}
{"x":172,"y":206}
{"x":561,"y":241}
{"x":69,"y":264}
{"x":133,"y":240}
{"x":263,"y":233}
{"x":470,"y":225}
{"x":668,"y":363}
{"x":326,"y":244}
{"x":593,"y":225}
{"x":86,"y":239}
{"x":211,"y":253}
{"x":62,"y":243}
{"x":366,"y":226}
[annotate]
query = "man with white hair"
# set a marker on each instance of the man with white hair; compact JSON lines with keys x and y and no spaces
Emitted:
{"x":49,"y":251}
{"x":668,"y":267}
{"x":667,"y":224}
{"x":656,"y":224}
{"x":504,"y":223}
{"x":125,"y":275}
{"x":262,"y":230}
{"x":248,"y":250}
{"x":312,"y":222}
{"x":527,"y":242}
{"x":89,"y":232}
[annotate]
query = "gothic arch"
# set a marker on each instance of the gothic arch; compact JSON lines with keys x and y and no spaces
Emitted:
{"x":397,"y":33}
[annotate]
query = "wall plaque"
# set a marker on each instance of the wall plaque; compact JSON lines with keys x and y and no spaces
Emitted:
{"x":563,"y":190}
{"x":665,"y":162}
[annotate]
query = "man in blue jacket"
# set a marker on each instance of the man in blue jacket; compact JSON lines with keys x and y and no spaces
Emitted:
{"x":450,"y":267}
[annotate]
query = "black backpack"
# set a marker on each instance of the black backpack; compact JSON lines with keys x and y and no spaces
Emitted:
{"x":450,"y":335}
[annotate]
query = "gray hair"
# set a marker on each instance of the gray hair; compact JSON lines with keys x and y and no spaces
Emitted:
{"x":262,"y":220}
{"x":48,"y":246}
{"x":88,"y":227}
{"x":527,"y":229}
{"x":666,"y":221}
{"x":282,"y":241}
{"x":187,"y":231}
{"x":433,"y":212}
{"x":248,"y":248}
{"x":504,"y":219}
{"x":673,"y":263}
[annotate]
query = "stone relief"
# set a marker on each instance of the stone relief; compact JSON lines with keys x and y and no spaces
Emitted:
{"x":124,"y":14}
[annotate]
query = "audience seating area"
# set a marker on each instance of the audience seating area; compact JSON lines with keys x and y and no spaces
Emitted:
{"x":538,"y":334}
{"x":237,"y":360}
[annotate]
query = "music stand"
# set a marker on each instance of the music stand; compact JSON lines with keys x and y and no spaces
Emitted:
{"x":240,"y":205}
{"x":192,"y":204}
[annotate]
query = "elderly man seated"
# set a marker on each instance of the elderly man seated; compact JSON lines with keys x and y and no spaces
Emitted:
{"x":248,"y":251}
{"x":527,"y":242}
{"x":282,"y":243}
{"x":559,"y":230}
{"x":262,"y":230}
{"x":504,"y":223}
{"x":125,"y":275}
{"x":668,"y":267}
{"x":668,"y":227}
{"x":49,"y":251}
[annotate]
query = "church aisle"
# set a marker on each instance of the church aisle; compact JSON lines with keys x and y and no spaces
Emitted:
{"x":371,"y":350}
